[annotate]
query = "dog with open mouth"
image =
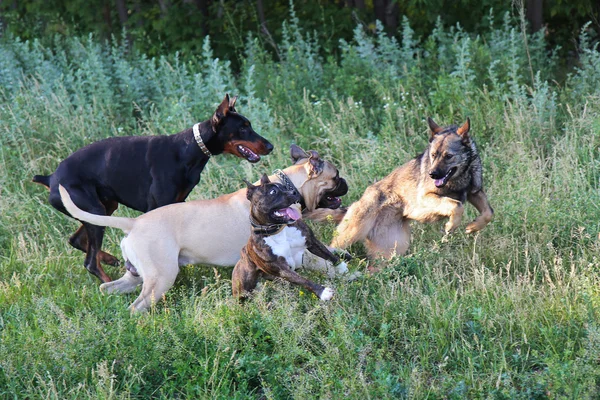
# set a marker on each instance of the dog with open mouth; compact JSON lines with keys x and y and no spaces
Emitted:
{"x":431,"y":186}
{"x":209,"y":232}
{"x":278,"y":240}
{"x":146,"y":172}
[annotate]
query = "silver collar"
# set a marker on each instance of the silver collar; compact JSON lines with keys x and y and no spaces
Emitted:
{"x":199,"y":140}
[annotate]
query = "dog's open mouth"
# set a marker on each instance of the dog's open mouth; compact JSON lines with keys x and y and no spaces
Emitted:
{"x":441,"y":182}
{"x":332,"y":198}
{"x":248,"y":154}
{"x":287,"y":214}
{"x":331,"y":202}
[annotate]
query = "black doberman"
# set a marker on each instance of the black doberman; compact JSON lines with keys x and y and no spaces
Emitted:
{"x":146,"y":172}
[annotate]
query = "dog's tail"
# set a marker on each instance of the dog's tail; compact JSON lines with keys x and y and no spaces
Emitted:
{"x":358,"y":222}
{"x":326,"y":214}
{"x":42,"y":180}
{"x":125,"y":224}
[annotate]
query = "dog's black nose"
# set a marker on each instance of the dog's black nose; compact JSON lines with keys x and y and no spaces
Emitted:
{"x":436,"y":174}
{"x":268,"y":147}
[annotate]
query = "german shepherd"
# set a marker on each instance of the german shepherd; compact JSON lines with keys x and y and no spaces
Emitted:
{"x":433,"y":185}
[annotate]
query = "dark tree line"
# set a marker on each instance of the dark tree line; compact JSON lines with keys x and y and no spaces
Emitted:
{"x":159,"y":26}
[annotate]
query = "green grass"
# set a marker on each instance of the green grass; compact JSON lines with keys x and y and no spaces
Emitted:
{"x":511,"y":312}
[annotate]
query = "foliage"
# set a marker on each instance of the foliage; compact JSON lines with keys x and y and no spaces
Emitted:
{"x":509,"y":313}
{"x":169,"y":26}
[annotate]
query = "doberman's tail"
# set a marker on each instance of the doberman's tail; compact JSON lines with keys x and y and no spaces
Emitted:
{"x":42,"y":180}
{"x":125,"y":224}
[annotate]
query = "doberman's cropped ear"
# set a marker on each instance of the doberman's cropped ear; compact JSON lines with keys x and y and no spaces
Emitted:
{"x":250,"y":190}
{"x":232,"y":103}
{"x":222,"y":110}
{"x":297,"y":153}
{"x":463,"y":131}
{"x":264,"y":179}
{"x":435,"y":128}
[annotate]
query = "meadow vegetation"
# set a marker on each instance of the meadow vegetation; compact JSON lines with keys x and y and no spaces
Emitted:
{"x":511,"y":312}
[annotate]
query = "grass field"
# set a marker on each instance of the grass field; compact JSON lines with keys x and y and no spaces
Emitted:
{"x":511,"y":312}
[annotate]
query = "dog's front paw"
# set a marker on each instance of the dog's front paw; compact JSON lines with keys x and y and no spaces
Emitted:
{"x":343,"y":254}
{"x":472,"y":228}
{"x":475,"y":226}
{"x":449,"y":228}
{"x":326,"y":294}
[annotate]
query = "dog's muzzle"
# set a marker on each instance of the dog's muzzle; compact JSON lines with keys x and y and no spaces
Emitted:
{"x":441,"y":178}
{"x":331,"y":199}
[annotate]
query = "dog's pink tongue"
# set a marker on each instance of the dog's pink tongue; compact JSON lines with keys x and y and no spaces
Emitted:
{"x":439,"y":182}
{"x":292,"y":213}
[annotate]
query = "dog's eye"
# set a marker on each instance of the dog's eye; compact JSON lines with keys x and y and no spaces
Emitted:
{"x":434,"y":155}
{"x":272,"y":192}
{"x":448,"y":156}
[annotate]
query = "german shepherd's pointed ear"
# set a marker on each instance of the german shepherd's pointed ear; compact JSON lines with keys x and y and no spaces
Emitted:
{"x":435,"y":128}
{"x":298,"y":153}
{"x":463,"y":131}
{"x":222,"y":110}
{"x":251,"y":189}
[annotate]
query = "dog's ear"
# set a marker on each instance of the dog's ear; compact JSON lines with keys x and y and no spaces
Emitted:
{"x":264,"y":179}
{"x":222,"y":110}
{"x":251,"y":189}
{"x":315,"y":164}
{"x":435,"y":128}
{"x":463,"y":131}
{"x":297,"y":153}
{"x":232,"y":103}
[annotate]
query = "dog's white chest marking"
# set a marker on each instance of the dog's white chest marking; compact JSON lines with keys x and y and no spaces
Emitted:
{"x":289,"y":244}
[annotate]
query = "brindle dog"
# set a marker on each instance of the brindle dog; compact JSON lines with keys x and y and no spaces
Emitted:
{"x":277,"y":241}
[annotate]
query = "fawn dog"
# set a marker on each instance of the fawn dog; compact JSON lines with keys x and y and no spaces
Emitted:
{"x":431,"y":186}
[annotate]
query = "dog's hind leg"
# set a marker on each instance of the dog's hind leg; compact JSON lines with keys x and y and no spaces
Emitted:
{"x":79,"y":240}
{"x":86,"y":199}
{"x":486,"y":213}
{"x":389,"y":237}
{"x":159,"y":270}
{"x":244,"y":277}
{"x":93,"y":256}
{"x":126,"y":284}
{"x":359,"y":220}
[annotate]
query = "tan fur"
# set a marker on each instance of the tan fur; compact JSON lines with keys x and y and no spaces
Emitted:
{"x":196,"y":232}
{"x":381,"y":218}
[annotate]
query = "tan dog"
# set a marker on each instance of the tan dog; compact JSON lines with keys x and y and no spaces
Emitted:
{"x":429,"y":187}
{"x":202,"y":231}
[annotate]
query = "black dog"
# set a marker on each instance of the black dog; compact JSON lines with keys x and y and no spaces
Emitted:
{"x":277,"y":242}
{"x":146,"y":172}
